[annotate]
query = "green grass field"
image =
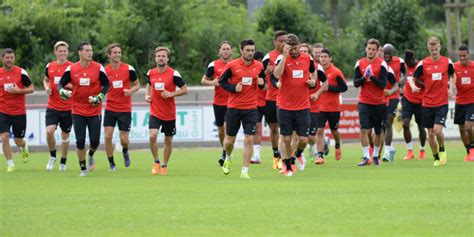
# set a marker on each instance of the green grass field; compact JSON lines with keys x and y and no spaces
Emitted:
{"x":403,"y":198}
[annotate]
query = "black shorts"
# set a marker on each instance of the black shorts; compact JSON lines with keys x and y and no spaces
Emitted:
{"x":372,"y":116}
{"x":92,"y":124}
{"x":463,"y":113}
{"x":331,"y":117}
{"x":16,"y":122}
{"x":271,"y":112}
{"x":63,"y":118}
{"x":313,"y":123}
{"x":219,"y":114}
{"x":168,"y":127}
{"x":234,"y":117}
{"x":261,"y":113}
{"x":434,"y":115}
{"x":409,"y":109}
{"x":123,"y":119}
{"x":392,"y":106}
{"x":297,"y":120}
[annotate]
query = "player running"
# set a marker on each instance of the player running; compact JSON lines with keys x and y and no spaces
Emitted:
{"x":261,"y":94}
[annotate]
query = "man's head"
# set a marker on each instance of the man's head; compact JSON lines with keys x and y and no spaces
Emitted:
{"x":8,"y":58}
{"x":258,"y":55}
{"x":294,"y":42}
{"x":114,"y":52}
{"x":225,"y":50}
{"x":61,"y":50}
{"x":305,"y":48}
{"x":463,"y":54}
{"x":371,"y":48}
{"x":162,"y":56}
{"x":388,"y":52}
{"x":409,"y":58}
{"x":85,"y":51}
{"x":247,"y":49}
{"x":325,"y":57}
{"x":279,"y":40}
{"x":434,"y":46}
{"x":317,"y":48}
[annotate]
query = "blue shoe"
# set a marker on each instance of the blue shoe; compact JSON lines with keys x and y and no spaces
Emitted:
{"x":376,"y":160}
{"x":365,"y":161}
{"x":392,"y":155}
{"x":112,"y":168}
{"x":126,"y":159}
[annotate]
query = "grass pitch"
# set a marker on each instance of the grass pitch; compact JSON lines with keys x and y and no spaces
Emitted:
{"x":403,"y":198}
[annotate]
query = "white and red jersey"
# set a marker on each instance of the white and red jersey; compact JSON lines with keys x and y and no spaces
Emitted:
{"x":119,"y":80}
{"x":415,"y":98}
{"x":464,"y":82}
{"x":398,"y":66}
{"x":269,"y":60}
{"x":371,"y":92}
{"x":214,"y":71}
{"x":54,"y":72}
{"x":13,"y":104}
{"x":329,"y":101}
{"x":435,"y":76}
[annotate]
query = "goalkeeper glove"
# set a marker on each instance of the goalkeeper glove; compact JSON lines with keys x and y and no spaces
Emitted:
{"x":64,"y":93}
{"x":96,"y":99}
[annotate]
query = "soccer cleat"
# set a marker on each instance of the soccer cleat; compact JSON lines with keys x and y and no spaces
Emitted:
{"x":156,"y":168}
{"x":112,"y":168}
{"x":319,"y":161}
{"x":10,"y":168}
{"x":436,"y":163}
{"x":164,"y":170}
{"x":50,"y":164}
{"x":376,"y":160}
{"x":83,"y":173}
{"x":221,"y":161}
{"x":338,"y":154}
{"x":275,"y":163}
{"x":392,"y":155}
{"x":365,"y":161}
{"x":126,"y":159}
{"x":471,"y":154}
{"x":442,"y":158}
{"x":385,"y":158}
{"x":410,"y":155}
{"x":91,"y":162}
{"x":467,"y":158}
{"x":244,"y":175}
{"x":421,"y":155}
{"x":288,"y":173}
{"x":255,"y":160}
{"x":62,"y":167}
{"x":226,"y":166}
{"x":280,"y":163}
{"x":283,"y":169}
{"x":301,"y":163}
{"x":25,"y":153}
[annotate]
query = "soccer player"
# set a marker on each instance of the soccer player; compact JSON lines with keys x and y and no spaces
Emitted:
{"x":261,"y":94}
{"x":392,"y":94}
{"x":297,"y":73}
{"x":329,"y":105}
{"x":58,"y":110}
{"x":14,"y":85}
{"x":272,"y":93}
{"x":211,"y":78}
{"x":160,"y":93}
{"x":432,"y":73}
{"x":90,"y":84}
{"x":411,"y":105}
{"x":371,"y":76}
{"x":118,"y":109}
{"x":240,"y":78}
{"x":464,"y":110}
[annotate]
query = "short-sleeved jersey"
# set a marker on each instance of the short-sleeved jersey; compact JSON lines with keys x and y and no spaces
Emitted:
{"x":119,"y":80}
{"x":54,"y":72}
{"x":169,"y":79}
{"x":329,"y":101}
{"x":13,"y":104}
{"x":370,"y":92}
{"x":411,"y":96}
{"x":398,"y":66}
{"x":269,"y":59}
{"x":435,"y":76}
{"x":215,"y":70}
{"x":464,"y":82}
{"x":261,"y":94}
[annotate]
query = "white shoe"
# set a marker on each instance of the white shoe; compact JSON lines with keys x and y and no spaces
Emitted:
{"x":301,"y":162}
{"x":255,"y":160}
{"x":83,"y":173}
{"x":51,"y":162}
{"x":62,"y":167}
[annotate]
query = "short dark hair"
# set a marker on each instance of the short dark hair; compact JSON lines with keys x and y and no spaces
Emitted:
{"x":225,"y":42}
{"x":82,"y":44}
{"x":373,"y":41}
{"x":327,"y":51}
{"x":7,"y":51}
{"x":112,"y":46}
{"x":246,"y":42}
{"x":279,"y":33}
{"x":258,"y":55}
{"x":409,"y":55}
{"x":292,"y":40}
{"x":463,"y":47}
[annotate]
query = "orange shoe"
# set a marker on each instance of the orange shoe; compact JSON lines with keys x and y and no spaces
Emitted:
{"x":275,"y":163}
{"x":410,"y":155}
{"x":163,"y":171}
{"x":467,"y":158}
{"x":319,"y":161}
{"x":156,"y":168}
{"x":422,"y":155}
{"x":471,"y":154}
{"x":338,"y":154}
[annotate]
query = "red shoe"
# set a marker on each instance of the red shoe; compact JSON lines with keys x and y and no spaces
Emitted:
{"x":471,"y":154}
{"x":467,"y":158}
{"x":319,"y":161}
{"x":410,"y":155}
{"x":283,"y":169}
{"x":164,"y":171}
{"x":422,"y":155}
{"x":338,"y":154}
{"x":156,"y":168}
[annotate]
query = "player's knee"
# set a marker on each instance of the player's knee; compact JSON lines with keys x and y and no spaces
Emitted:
{"x":18,"y":141}
{"x":5,"y":136}
{"x":80,"y":144}
{"x":438,"y":130}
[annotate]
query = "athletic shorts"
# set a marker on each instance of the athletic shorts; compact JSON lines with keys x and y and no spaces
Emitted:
{"x":392,"y":106}
{"x":16,"y":122}
{"x":297,"y":120}
{"x":409,"y":109}
{"x":372,"y":116}
{"x":63,"y":118}
{"x":331,"y":117}
{"x":313,"y":123}
{"x":123,"y":119}
{"x":246,"y":117}
{"x":463,"y":113}
{"x":434,"y":115}
{"x":168,"y":127}
{"x":271,"y":112}
{"x":261,"y":113}
{"x":219,"y":114}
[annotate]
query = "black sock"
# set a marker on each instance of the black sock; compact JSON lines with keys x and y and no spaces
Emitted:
{"x":111,"y":160}
{"x":372,"y":145}
{"x":91,"y":152}
{"x":164,"y":165}
{"x":338,"y":146}
{"x":320,"y":155}
{"x":436,"y":156}
{"x":82,"y":164}
{"x":63,"y":160}
{"x":124,"y":150}
{"x":468,"y":146}
{"x":276,"y":152}
{"x":53,"y":153}
{"x":288,"y":164}
{"x":298,"y":152}
{"x":223,"y":154}
{"x":441,"y":149}
{"x":292,"y":160}
{"x":157,"y":161}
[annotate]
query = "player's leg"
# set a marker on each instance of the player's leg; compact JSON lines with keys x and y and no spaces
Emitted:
{"x":19,"y":129}
{"x":249,"y":120}
{"x":5,"y":124}
{"x":65,"y":123}
{"x":232,"y":128}
{"x":469,"y":126}
{"x":93,"y":126}
{"x":219,"y":115}
{"x":110,"y":121}
{"x":271,"y":117}
{"x":52,"y":119}
{"x":365,"y":130}
{"x":258,"y":137}
{"x":80,"y":124}
{"x":441,"y":114}
{"x":391,"y":112}
{"x":169,"y":129}
{"x":322,"y":120}
{"x":459,"y":119}
{"x":124,"y":124}
{"x":153,"y":127}
{"x":333,"y":120}
{"x":302,"y":119}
